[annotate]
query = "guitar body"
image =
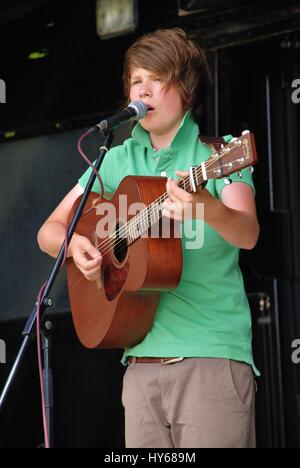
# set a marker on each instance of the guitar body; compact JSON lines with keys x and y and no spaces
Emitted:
{"x":119,"y":312}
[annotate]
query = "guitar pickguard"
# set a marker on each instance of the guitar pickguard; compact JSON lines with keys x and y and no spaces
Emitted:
{"x":114,"y":279}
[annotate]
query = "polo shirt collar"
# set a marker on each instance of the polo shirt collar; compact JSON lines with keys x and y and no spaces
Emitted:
{"x":187,"y":131}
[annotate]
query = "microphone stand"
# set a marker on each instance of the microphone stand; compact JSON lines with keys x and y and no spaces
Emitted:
{"x":29,"y":331}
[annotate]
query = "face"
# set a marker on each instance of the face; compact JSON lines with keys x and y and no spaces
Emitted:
{"x":166,"y":109}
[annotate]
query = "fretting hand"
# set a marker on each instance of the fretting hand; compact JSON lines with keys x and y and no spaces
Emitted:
{"x":181,"y":205}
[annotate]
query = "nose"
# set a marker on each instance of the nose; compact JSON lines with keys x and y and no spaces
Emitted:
{"x":145,"y":91}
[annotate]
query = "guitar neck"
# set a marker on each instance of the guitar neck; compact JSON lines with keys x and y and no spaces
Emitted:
{"x":236,"y":155}
{"x":147,"y":218}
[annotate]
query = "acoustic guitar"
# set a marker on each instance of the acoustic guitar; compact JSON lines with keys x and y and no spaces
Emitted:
{"x":139,"y":260}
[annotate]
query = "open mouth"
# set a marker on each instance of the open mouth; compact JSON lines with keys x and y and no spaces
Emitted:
{"x":150,"y":108}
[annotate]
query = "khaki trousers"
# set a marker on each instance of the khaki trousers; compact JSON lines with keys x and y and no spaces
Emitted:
{"x":195,"y":403}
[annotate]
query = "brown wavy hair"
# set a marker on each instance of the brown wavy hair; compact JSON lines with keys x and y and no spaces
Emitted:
{"x":175,"y":58}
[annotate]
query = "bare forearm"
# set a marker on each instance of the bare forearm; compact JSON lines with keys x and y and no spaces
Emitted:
{"x":236,"y":227}
{"x":51,"y":237}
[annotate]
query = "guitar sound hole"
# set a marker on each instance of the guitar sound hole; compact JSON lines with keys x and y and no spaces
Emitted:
{"x":120,"y":247}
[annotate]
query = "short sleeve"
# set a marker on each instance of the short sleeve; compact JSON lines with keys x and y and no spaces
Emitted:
{"x":245,"y":179}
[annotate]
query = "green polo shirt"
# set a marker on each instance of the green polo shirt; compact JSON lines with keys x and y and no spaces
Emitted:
{"x":208,"y":314}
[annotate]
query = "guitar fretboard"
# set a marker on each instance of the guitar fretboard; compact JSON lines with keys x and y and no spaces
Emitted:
{"x":235,"y":156}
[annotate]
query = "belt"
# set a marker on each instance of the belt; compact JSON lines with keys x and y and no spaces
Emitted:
{"x":150,"y":360}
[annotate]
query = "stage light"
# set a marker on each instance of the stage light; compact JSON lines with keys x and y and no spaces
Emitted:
{"x":115,"y":17}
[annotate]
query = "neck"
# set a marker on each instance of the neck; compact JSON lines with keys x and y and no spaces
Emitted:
{"x":161,"y":141}
{"x":164,"y":140}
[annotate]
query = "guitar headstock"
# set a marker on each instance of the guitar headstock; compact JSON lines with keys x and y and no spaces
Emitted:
{"x":233,"y":157}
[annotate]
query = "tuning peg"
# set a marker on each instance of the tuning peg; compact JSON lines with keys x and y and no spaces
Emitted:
{"x":240,"y":175}
{"x":236,"y":141}
{"x":245,"y":132}
{"x":251,"y":169}
{"x":227,"y":181}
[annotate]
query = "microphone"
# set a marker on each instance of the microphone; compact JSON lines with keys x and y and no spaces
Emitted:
{"x":136,"y":110}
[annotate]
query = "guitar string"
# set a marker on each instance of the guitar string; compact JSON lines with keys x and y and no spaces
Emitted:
{"x":110,"y":243}
{"x":154,"y":204}
{"x":152,"y":209}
